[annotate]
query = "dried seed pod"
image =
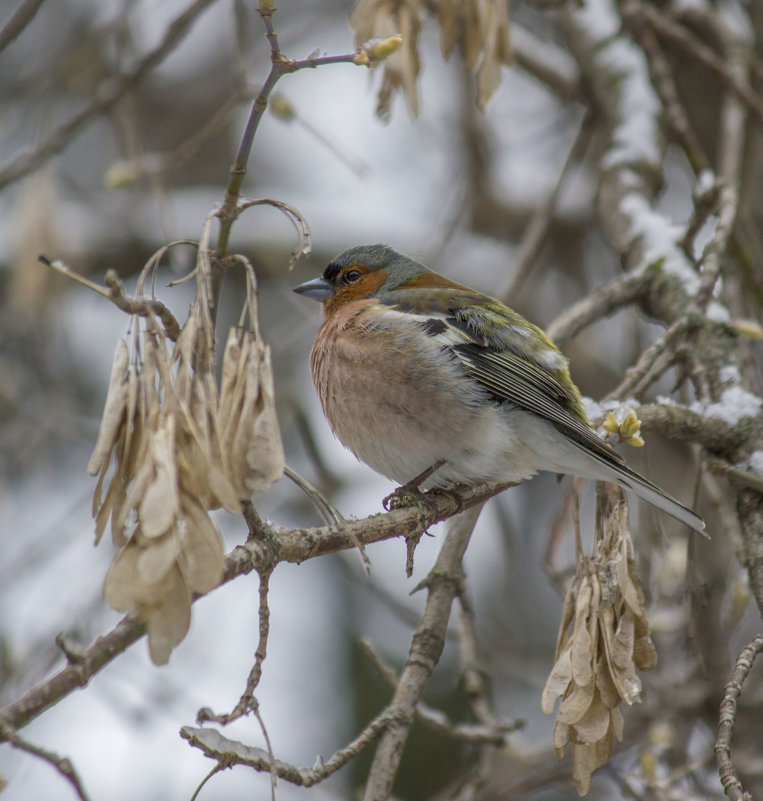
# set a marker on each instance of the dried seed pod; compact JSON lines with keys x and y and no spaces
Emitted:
{"x":168,"y":622}
{"x":201,"y":557}
{"x":113,"y":411}
{"x":160,"y":505}
{"x":372,"y":19}
{"x":557,"y":682}
{"x":597,"y":667}
{"x":180,"y":449}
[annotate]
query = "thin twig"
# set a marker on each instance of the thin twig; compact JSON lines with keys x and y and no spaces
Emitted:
{"x":535,"y":234}
{"x":216,"y":769}
{"x":115,"y":292}
{"x":677,"y":34}
{"x":62,"y":764}
{"x":280,"y":66}
{"x":435,"y":719}
{"x":329,"y":514}
{"x":726,"y":770}
{"x":231,"y":752}
{"x":247,"y":702}
{"x":106,"y":95}
{"x":664,"y":84}
{"x":23,"y":15}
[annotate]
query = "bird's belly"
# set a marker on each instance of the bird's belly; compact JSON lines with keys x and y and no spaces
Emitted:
{"x":400,"y":415}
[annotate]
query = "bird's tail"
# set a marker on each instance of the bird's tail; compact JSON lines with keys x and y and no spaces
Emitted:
{"x":631,"y":480}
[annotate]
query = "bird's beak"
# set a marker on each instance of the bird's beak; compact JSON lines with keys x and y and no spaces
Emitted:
{"x":317,"y":289}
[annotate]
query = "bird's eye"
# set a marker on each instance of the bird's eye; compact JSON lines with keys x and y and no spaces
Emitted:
{"x":351,"y":276}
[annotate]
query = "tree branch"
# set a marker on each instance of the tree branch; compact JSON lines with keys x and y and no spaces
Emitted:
{"x":726,"y":770}
{"x":277,"y":545}
{"x":428,"y":641}
{"x":23,"y":15}
{"x":62,"y":764}
{"x":106,"y":96}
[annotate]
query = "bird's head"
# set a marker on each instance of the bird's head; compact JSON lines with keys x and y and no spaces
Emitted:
{"x":364,"y":271}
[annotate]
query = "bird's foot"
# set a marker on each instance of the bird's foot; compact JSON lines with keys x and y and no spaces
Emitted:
{"x":403,"y":497}
{"x":410,"y":494}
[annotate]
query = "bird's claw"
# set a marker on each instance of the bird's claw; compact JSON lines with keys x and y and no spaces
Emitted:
{"x":403,"y":497}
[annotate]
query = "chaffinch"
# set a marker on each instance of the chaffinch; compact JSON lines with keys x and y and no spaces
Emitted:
{"x":428,"y":380}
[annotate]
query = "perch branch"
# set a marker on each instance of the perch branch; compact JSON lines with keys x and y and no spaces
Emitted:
{"x":261,"y":554}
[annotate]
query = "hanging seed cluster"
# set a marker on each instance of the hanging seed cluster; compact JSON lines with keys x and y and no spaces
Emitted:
{"x":603,"y":643}
{"x":480,"y":28}
{"x":179,"y":449}
{"x":384,"y":19}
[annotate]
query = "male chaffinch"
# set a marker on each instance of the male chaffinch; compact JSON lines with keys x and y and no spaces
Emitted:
{"x":424,"y":378}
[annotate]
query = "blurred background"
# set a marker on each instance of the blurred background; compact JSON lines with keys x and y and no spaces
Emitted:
{"x":453,"y":187}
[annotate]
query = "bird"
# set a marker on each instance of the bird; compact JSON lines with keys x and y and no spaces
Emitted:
{"x":435,"y":385}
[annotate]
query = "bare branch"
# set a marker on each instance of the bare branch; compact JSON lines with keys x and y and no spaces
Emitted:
{"x":106,"y":96}
{"x":426,"y":647}
{"x":62,"y":764}
{"x":726,"y":770}
{"x":115,"y":292}
{"x":231,"y":752}
{"x":262,"y":554}
{"x":673,"y":32}
{"x":435,"y":719}
{"x":548,"y":63}
{"x":23,"y":15}
{"x":247,"y":703}
{"x":597,"y":305}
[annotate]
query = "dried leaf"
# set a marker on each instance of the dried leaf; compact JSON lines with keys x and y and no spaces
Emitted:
{"x":449,"y":19}
{"x":632,"y":595}
{"x":557,"y":682}
{"x":594,"y":723}
{"x":568,"y":612}
{"x":168,"y":622}
{"x":134,"y":493}
{"x":223,"y":491}
{"x":586,"y":759}
{"x":561,"y":737}
{"x":113,"y":411}
{"x":617,"y":722}
{"x":202,"y":555}
{"x":644,"y":653}
{"x":119,"y":585}
{"x":605,"y":685}
{"x":230,"y":369}
{"x":576,"y":702}
{"x":133,"y":391}
{"x":160,"y":504}
{"x":256,"y":453}
{"x":157,"y":511}
{"x":621,"y":653}
{"x":156,"y":558}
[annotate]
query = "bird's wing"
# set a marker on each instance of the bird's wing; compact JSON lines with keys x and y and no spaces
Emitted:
{"x":508,"y":377}
{"x":508,"y":356}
